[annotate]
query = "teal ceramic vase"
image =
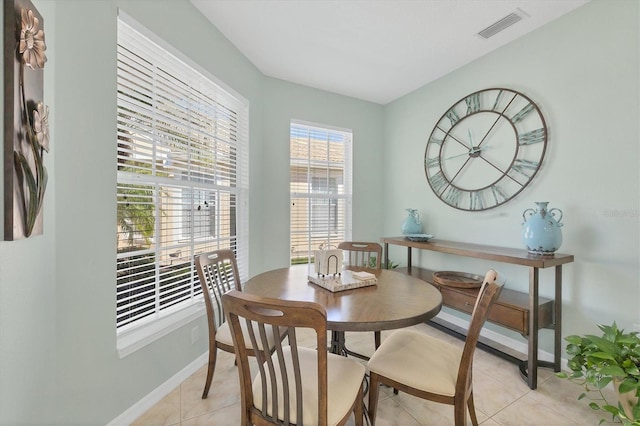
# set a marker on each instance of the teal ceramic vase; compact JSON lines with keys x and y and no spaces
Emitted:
{"x":411,"y":224}
{"x":541,"y":229}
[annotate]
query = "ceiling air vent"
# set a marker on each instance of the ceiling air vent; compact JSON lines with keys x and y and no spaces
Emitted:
{"x":502,"y":24}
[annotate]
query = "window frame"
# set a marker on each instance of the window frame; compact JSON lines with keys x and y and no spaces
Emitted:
{"x":166,"y":319}
{"x":321,"y":191}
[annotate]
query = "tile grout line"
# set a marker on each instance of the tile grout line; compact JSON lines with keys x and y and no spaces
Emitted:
{"x":509,"y":405}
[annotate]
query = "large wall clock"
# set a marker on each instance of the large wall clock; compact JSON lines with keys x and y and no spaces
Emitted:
{"x":485,"y":149}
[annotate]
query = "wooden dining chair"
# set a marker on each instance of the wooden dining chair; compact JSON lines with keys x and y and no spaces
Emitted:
{"x":363,"y":256}
{"x":293,"y":384}
{"x":430,"y":368}
{"x":218,"y":274}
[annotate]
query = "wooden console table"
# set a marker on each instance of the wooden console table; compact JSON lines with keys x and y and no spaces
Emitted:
{"x":529,"y":367}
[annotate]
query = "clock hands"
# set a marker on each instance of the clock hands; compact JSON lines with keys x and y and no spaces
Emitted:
{"x":453,"y":137}
{"x":473,"y":152}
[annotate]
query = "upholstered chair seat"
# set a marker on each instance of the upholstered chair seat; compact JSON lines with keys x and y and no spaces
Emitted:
{"x":405,"y":362}
{"x":431,"y":368}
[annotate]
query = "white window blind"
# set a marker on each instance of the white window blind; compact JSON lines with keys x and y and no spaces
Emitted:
{"x":182,"y":179}
{"x":320,"y":181}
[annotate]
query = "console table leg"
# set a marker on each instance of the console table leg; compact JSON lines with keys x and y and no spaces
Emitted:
{"x":409,"y":259}
{"x":532,"y":362}
{"x":557,"y":328}
{"x":386,"y":256}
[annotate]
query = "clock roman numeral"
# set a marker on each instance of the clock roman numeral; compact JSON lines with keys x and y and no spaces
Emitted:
{"x":476,"y":201}
{"x":522,"y":113}
{"x":499,"y":195}
{"x":453,"y":117}
{"x":438,"y":182}
{"x":525,"y":167}
{"x":435,"y":140}
{"x":473,"y":103}
{"x":452,"y":197}
{"x":432,"y":162}
{"x":534,"y":136}
{"x":495,"y":104}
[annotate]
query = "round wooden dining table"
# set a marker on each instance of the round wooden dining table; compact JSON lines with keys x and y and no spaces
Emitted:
{"x":396,"y":301}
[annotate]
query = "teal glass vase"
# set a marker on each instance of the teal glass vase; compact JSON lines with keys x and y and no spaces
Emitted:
{"x":411,"y":224}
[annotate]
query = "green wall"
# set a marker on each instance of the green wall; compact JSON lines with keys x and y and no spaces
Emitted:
{"x":58,"y":358}
{"x":583,"y":72}
{"x":285,"y":101}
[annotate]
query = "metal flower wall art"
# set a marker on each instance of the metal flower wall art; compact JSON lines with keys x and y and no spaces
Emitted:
{"x":27,"y":134}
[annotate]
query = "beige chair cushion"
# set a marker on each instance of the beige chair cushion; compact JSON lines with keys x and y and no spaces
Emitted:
{"x":223,"y":334}
{"x":344,"y":378}
{"x":418,"y":360}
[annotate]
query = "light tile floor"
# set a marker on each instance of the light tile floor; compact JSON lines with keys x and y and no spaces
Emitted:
{"x":501,"y":396}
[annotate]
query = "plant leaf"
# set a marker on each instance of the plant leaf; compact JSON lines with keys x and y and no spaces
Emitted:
{"x":603,"y":355}
{"x":632,"y":370}
{"x":613,"y":370}
{"x":574,"y":340}
{"x":610,"y":408}
{"x":628,"y":385}
{"x":573,"y":349}
{"x":636,"y":412}
{"x":576,"y":375}
{"x":604,"y":345}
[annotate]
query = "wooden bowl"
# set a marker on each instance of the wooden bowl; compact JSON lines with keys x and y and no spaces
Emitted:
{"x":457,"y":279}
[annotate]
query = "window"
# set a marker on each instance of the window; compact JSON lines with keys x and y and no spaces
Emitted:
{"x":320,"y":189}
{"x":182,"y":177}
{"x":198,"y":212}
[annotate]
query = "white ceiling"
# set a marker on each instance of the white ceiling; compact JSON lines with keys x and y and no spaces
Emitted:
{"x":375,"y":50}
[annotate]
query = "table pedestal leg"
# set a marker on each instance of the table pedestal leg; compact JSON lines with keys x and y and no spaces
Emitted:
{"x":337,"y":343}
{"x":338,"y":346}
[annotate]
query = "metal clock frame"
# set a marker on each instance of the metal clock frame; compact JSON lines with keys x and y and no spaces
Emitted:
{"x":519,"y":173}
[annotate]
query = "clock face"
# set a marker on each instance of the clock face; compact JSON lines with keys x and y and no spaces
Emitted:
{"x":485,"y":149}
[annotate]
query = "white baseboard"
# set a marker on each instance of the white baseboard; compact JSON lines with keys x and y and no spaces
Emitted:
{"x":151,"y":399}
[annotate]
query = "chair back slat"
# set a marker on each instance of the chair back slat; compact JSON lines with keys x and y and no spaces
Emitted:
{"x":362,"y":254}
{"x":279,"y":370}
{"x":268,"y":360}
{"x":218,"y":274}
{"x":262,"y":357}
{"x":297,"y":379}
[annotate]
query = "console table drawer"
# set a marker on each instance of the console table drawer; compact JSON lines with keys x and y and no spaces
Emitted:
{"x":510,"y":310}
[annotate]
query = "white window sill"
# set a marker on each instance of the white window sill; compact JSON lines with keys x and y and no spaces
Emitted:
{"x":131,"y":340}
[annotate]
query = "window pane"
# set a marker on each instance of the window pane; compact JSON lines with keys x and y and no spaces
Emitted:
{"x":320,"y":184}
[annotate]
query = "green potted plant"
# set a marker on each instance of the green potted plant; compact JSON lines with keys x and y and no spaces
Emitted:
{"x":390,"y":265}
{"x":613,"y":358}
